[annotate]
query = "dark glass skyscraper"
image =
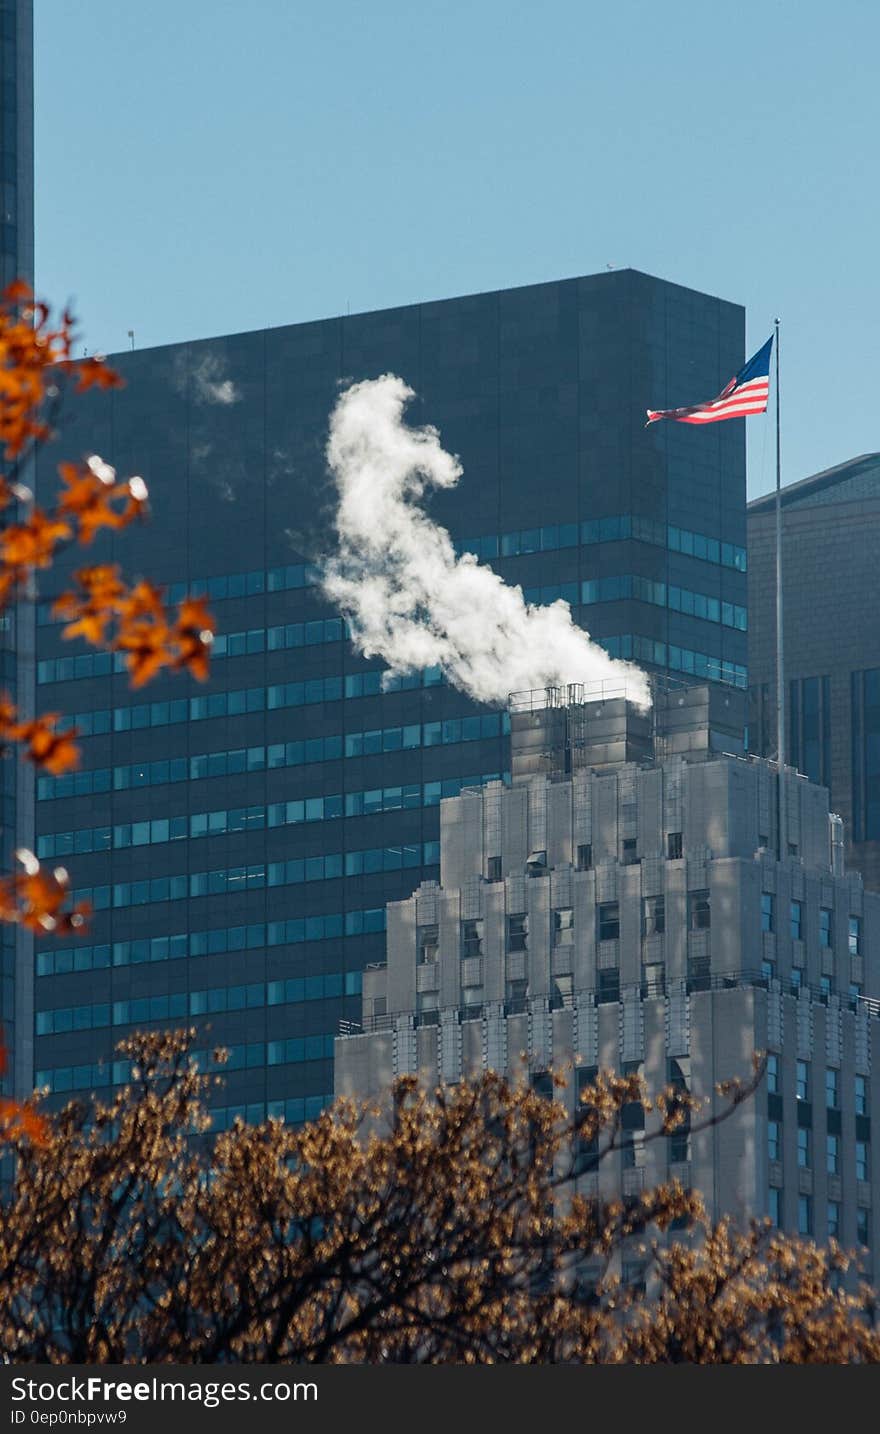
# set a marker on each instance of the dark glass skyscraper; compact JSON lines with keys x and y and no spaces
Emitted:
{"x":16,"y":632}
{"x":239,"y":841}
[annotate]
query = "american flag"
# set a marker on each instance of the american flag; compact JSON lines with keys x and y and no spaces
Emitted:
{"x":746,"y":393}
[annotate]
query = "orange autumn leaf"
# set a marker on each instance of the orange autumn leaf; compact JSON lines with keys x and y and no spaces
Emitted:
{"x":8,"y":581}
{"x":8,"y":715}
{"x":146,"y":650}
{"x":36,"y":899}
{"x":33,"y":355}
{"x":42,"y":897}
{"x":89,"y":613}
{"x":17,"y":291}
{"x":18,"y":1119}
{"x":194,"y":634}
{"x":144,"y":600}
{"x":88,"y":500}
{"x":144,"y":631}
{"x":48,"y":748}
{"x":96,"y":373}
{"x":32,"y":544}
{"x":92,"y":492}
{"x":87,"y":622}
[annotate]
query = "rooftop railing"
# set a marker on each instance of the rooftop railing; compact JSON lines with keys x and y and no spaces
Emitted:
{"x":652,"y":989}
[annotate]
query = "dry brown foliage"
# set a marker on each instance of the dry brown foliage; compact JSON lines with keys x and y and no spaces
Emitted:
{"x":453,"y":1237}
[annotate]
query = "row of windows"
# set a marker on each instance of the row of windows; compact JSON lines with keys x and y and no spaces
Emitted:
{"x":677,"y":659}
{"x":832,"y":1217}
{"x":653,"y":907}
{"x":279,"y":754}
{"x":64,"y":959}
{"x":205,"y":943}
{"x":180,"y":1004}
{"x":232,"y":644}
{"x":255,"y":877}
{"x":241,"y":819}
{"x":824,"y":990}
{"x":549,"y":538}
{"x":253,"y":1056}
{"x":552,"y":592}
{"x":135,"y":718}
{"x":803,"y":1079}
{"x":61,"y":1080}
{"x":683,"y":600}
{"x":231,"y":585}
{"x":292,"y":991}
{"x":804,"y":1134}
{"x":293,"y":1111}
{"x":606,"y":530}
{"x":796,"y":923}
{"x":607,"y":925}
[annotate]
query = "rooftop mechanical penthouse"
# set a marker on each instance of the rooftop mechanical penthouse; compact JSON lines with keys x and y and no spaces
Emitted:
{"x":624,"y":905}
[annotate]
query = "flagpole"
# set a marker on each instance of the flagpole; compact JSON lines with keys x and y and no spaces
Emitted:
{"x":780,"y":668}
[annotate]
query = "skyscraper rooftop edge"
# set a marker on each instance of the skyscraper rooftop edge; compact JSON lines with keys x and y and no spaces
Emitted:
{"x":606,"y":275}
{"x":817,"y":483}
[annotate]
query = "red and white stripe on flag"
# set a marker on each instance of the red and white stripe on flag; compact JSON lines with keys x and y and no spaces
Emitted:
{"x":747,"y":393}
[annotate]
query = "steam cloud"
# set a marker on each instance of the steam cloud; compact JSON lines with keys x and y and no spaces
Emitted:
{"x":408,"y":597}
{"x":209,"y":381}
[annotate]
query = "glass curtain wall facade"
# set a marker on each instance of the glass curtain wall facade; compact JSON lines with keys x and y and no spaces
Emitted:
{"x":240,"y":841}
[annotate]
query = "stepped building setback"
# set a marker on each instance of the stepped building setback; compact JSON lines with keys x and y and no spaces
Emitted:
{"x":623,"y":905}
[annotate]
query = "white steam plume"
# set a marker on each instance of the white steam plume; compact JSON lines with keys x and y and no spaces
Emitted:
{"x":408,"y":597}
{"x":210,"y":383}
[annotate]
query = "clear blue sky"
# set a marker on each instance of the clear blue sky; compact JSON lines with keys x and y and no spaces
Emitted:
{"x":208,"y":166}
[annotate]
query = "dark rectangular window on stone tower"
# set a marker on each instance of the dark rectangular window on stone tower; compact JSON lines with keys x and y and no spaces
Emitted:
{"x":609,"y":921}
{"x":563,"y":926}
{"x":700,"y":911}
{"x":428,"y":943}
{"x":471,"y":938}
{"x":653,"y":915}
{"x":517,"y":933}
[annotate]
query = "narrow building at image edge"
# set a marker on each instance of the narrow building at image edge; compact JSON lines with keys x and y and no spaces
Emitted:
{"x":623,"y":906}
{"x":16,"y":629}
{"x":239,"y":841}
{"x":830,"y":542}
